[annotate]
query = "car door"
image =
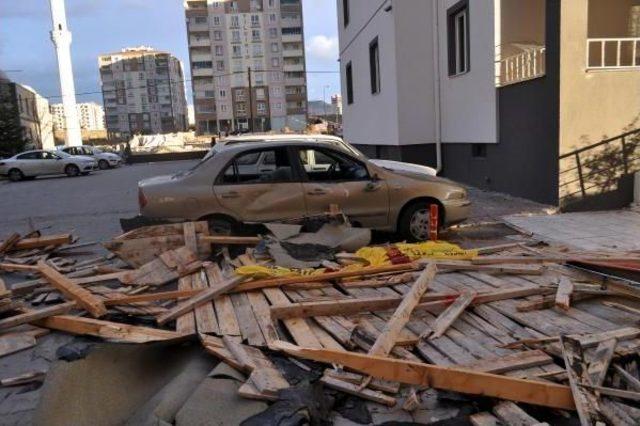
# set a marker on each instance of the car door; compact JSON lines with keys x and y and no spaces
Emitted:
{"x":258,"y":194}
{"x":333,"y":177}
{"x":28,"y":163}
{"x":51,"y":164}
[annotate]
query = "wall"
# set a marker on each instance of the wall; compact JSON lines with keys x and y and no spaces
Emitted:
{"x":468,"y":101}
{"x":609,"y":19}
{"x":371,"y":119}
{"x":594,"y":104}
{"x":525,"y":161}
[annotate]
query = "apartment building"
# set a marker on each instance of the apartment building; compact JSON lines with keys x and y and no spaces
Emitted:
{"x":247,"y":64}
{"x":143,"y":91}
{"x":29,"y":111}
{"x":536,"y":98}
{"x":90,"y":114}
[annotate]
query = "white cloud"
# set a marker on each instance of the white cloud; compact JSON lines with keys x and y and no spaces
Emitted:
{"x":323,"y":47}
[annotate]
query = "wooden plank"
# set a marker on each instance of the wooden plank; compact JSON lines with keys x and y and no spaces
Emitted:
{"x":249,"y":326}
{"x":4,"y":292}
{"x":599,"y":363}
{"x":15,"y":342}
{"x":563,"y":294}
{"x":206,"y":320}
{"x":9,"y":242}
{"x":511,"y":414}
{"x":618,"y":393}
{"x":111,"y":331}
{"x":436,"y":301}
{"x":449,"y":315}
{"x":297,"y":327}
{"x":22,"y":288}
{"x":199,"y":299}
{"x":186,"y":323}
{"x":23,"y":379}
{"x":513,"y":361}
{"x":622,"y":307}
{"x":546,"y":302}
{"x":227,"y":320}
{"x":496,"y":248}
{"x":190,"y":239}
{"x":445,"y":378}
{"x":17,"y":267}
{"x":354,"y":389}
{"x":585,"y":401}
{"x":32,"y":315}
{"x":153,"y":297}
{"x":631,"y":380}
{"x":42,"y":242}
{"x":483,"y":419}
{"x":387,"y":339}
{"x":277,"y":282}
{"x":454,"y":266}
{"x":355,"y":378}
{"x":230,"y":240}
{"x":216,"y":347}
{"x":84,"y":298}
{"x":260,"y":308}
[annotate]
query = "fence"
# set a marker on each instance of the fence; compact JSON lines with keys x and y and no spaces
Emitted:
{"x":523,"y":66}
{"x":613,"y":53}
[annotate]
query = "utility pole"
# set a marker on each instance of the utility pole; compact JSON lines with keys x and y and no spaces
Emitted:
{"x":250,"y":101}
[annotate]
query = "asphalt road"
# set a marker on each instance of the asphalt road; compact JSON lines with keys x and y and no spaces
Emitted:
{"x":89,"y":206}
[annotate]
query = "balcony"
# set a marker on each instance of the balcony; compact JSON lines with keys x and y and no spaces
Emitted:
{"x":613,"y":53}
{"x":293,"y":67}
{"x":199,"y":42}
{"x":523,"y":66}
{"x":291,"y":38}
{"x":292,"y":53}
{"x":195,"y":57}
{"x":193,"y":27}
{"x":294,"y":81}
{"x":202,"y":72}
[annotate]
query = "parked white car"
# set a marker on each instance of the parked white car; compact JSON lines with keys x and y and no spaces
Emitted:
{"x":106,"y":160}
{"x":31,"y":164}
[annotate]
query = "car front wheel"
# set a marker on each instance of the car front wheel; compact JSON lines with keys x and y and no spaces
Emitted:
{"x":15,"y":175}
{"x":414,"y":223}
{"x":72,"y":170}
{"x":103,"y":164}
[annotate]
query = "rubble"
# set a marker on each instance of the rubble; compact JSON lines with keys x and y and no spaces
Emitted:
{"x":510,"y":327}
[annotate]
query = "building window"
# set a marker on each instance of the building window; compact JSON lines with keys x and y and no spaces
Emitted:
{"x":478,"y":150}
{"x":237,"y":51}
{"x":345,"y":12}
{"x":219,"y":51}
{"x":236,"y":35}
{"x":273,"y":17}
{"x":262,"y":107}
{"x":235,"y":21}
{"x":217,"y":35}
{"x":201,"y":19}
{"x":274,"y":47}
{"x":374,"y":65}
{"x":275,"y":62}
{"x":220,"y":65}
{"x":216,"y":20}
{"x":458,"y":38}
{"x":255,"y":35}
{"x":349,"y":77}
{"x":223,"y":94}
{"x":255,"y":20}
{"x":273,"y":32}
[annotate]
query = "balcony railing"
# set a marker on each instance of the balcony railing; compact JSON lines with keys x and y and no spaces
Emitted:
{"x":527,"y":65}
{"x":613,"y":53}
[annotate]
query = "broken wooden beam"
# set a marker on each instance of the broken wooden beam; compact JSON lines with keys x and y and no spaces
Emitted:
{"x":83,"y":297}
{"x":449,"y":315}
{"x":563,"y":294}
{"x":35,"y":314}
{"x":599,"y":363}
{"x":230,"y":240}
{"x":444,"y":378}
{"x":9,"y":243}
{"x":42,"y":242}
{"x":513,"y":361}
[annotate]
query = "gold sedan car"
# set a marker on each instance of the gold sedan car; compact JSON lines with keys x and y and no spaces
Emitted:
{"x":271,"y":178}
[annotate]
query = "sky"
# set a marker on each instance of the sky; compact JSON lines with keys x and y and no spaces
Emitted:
{"x":27,"y":54}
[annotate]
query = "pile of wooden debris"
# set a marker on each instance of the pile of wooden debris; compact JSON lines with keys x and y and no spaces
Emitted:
{"x":515,"y":323}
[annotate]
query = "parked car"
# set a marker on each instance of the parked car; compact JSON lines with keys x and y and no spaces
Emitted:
{"x":290,"y":177}
{"x":31,"y":164}
{"x":106,"y":160}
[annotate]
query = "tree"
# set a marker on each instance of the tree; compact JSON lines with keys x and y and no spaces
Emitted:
{"x":12,"y":140}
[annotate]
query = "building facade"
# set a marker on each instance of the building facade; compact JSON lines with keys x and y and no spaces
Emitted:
{"x":247,"y":64}
{"x":143,"y":91}
{"x":336,"y":101}
{"x":90,"y":114}
{"x":29,"y":111}
{"x":508,"y":95}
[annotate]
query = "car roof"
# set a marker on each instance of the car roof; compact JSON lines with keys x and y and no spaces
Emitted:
{"x":232,"y":140}
{"x":248,"y":145}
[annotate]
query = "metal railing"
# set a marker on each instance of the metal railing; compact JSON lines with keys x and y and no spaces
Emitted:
{"x":597,"y":168}
{"x":523,"y":66}
{"x":614,"y":53}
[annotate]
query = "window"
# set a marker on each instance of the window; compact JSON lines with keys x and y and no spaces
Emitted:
{"x":291,"y":31}
{"x":201,"y":19}
{"x":349,"y":75}
{"x":331,"y":166}
{"x":241,"y":108}
{"x":235,"y":21}
{"x":223,"y":93}
{"x":275,"y":62}
{"x":478,"y":150}
{"x":235,"y":35}
{"x":31,"y":156}
{"x":255,"y":35}
{"x":268,"y":166}
{"x":274,"y":47}
{"x":257,"y":50}
{"x":273,"y":17}
{"x":260,"y":93}
{"x":220,"y":65}
{"x":345,"y":12}
{"x":255,"y":20}
{"x":237,"y":51}
{"x":219,"y":51}
{"x":261,"y":107}
{"x":458,"y":38}
{"x":216,"y":20}
{"x":240,"y":94}
{"x":374,"y":65}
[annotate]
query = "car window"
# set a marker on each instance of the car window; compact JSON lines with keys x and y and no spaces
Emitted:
{"x":86,"y":151}
{"x":330,"y":166}
{"x":49,"y":156}
{"x":242,"y":170}
{"x":30,"y":156}
{"x":68,"y":150}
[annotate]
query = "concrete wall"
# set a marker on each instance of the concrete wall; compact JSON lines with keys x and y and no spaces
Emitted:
{"x":595,"y":104}
{"x":372,"y":118}
{"x":468,"y":101}
{"x":608,"y":18}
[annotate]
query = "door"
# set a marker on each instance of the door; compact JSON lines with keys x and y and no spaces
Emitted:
{"x":51,"y":163}
{"x":257,"y":192}
{"x":333,"y":177}
{"x":30,"y":163}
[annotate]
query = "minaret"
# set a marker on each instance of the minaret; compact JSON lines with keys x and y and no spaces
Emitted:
{"x":61,"y":37}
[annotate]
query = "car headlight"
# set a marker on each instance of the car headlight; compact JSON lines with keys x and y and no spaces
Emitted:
{"x":457,"y":195}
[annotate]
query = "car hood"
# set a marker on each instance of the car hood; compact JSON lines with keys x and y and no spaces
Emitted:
{"x":424,"y":177}
{"x":399,"y":166}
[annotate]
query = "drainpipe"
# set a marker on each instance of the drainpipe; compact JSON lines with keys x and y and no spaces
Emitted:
{"x":436,"y":85}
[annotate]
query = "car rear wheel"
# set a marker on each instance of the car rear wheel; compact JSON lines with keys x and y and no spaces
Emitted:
{"x":72,"y":170}
{"x":15,"y":175}
{"x":220,"y":226}
{"x":414,"y":223}
{"x":103,"y":164}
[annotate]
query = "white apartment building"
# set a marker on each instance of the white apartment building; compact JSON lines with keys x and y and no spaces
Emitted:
{"x":509,"y":95}
{"x":90,"y":114}
{"x":336,"y":101}
{"x":143,"y":91}
{"x":247,"y":64}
